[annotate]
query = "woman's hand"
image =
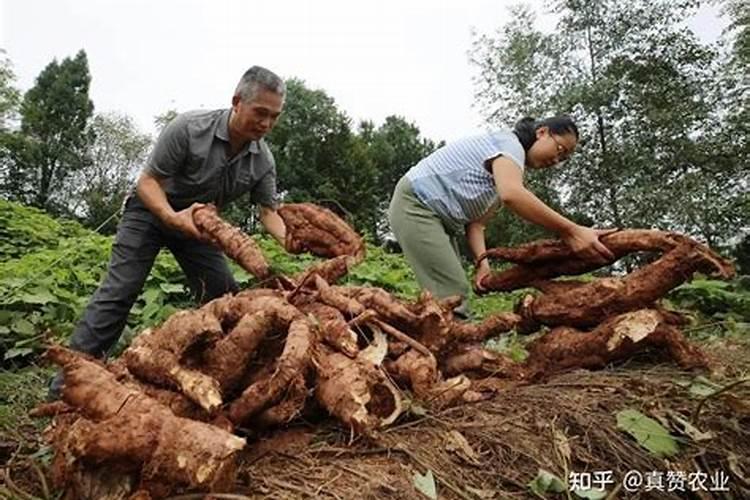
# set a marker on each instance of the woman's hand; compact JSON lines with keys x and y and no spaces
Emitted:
{"x":584,"y":241}
{"x":483,"y":270}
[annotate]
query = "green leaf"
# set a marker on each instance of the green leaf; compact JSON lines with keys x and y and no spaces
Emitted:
{"x":702,"y":387}
{"x":39,"y":296}
{"x":648,"y":432}
{"x":172,"y":288}
{"x":23,"y":327}
{"x":546,"y":482}
{"x":150,"y":311}
{"x":15,"y":352}
{"x":425,"y":484}
{"x":152,"y":295}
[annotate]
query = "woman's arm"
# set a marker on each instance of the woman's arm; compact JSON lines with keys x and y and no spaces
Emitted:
{"x":477,"y":245}
{"x":584,"y":241}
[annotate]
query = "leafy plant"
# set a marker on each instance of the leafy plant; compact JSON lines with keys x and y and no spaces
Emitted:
{"x":24,"y":229}
{"x":713,"y":297}
{"x":648,"y":432}
{"x":546,"y":482}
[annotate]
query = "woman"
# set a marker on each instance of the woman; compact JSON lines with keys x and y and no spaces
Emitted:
{"x":458,"y":188}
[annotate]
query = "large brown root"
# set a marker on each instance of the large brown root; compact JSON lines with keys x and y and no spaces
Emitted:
{"x":288,"y":408}
{"x":473,"y":358}
{"x":311,"y":228}
{"x":548,"y":259}
{"x":330,"y":270}
{"x":226,"y":361}
{"x":229,"y":309}
{"x":565,"y":348}
{"x":268,"y":391}
{"x":333,"y":328}
{"x":265,"y":351}
{"x":422,"y":374}
{"x":388,"y":308}
{"x":156,"y":356}
{"x":492,"y":326}
{"x":124,"y":426}
{"x":594,"y":302}
{"x":232,"y":241}
{"x":355,"y":390}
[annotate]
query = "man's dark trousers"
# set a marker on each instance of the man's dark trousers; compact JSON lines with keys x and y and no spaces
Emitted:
{"x":140,"y":237}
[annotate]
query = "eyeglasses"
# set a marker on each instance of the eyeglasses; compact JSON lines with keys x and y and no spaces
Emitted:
{"x":562,"y":152}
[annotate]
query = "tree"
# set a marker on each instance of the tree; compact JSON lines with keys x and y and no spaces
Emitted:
{"x":319,"y":159}
{"x":117,"y":153}
{"x":394,"y":147}
{"x":53,"y":139}
{"x":640,"y":87}
{"x":9,"y":104}
{"x":9,"y":95}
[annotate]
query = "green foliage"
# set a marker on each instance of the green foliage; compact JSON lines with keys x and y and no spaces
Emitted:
{"x":546,"y":482}
{"x":24,"y":229}
{"x":425,"y":484}
{"x":47,"y":278}
{"x":648,"y":432}
{"x":739,"y":28}
{"x":43,"y":292}
{"x":713,"y":297}
{"x":394,"y":148}
{"x":741,"y":254}
{"x":663,"y":121}
{"x":20,"y":391}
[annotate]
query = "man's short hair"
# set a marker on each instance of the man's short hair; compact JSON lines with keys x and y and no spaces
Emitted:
{"x":259,"y":78}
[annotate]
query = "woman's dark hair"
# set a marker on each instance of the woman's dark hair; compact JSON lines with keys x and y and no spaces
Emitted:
{"x":525,"y":129}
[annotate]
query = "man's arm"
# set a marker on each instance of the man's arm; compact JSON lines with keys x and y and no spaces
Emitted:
{"x":153,"y":196}
{"x":584,"y":241}
{"x":273,"y":223}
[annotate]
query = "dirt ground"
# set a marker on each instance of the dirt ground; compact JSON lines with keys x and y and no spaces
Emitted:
{"x":566,"y":426}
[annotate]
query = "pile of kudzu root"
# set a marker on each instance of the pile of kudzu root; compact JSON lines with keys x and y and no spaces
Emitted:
{"x":167,"y":416}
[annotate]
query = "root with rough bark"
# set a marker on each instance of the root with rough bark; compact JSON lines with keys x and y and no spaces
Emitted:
{"x":356,"y":391}
{"x":126,"y":429}
{"x":311,"y":228}
{"x":153,"y":422}
{"x":232,"y":241}
{"x":268,"y":391}
{"x":546,"y":259}
{"x":619,"y":337}
{"x":156,"y":356}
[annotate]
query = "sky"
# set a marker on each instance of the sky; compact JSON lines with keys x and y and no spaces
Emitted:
{"x":375,"y":58}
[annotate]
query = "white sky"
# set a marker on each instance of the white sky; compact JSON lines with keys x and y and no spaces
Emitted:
{"x":377,"y":58}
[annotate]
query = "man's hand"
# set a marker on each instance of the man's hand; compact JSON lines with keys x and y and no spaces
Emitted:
{"x":183,"y":222}
{"x":584,"y":241}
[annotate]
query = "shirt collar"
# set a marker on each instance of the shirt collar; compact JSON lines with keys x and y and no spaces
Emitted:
{"x":222,"y":132}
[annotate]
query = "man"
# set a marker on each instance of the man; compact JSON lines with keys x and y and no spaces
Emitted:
{"x":200,"y":157}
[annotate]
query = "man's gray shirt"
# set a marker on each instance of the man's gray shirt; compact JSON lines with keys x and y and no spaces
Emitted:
{"x":192,"y":157}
